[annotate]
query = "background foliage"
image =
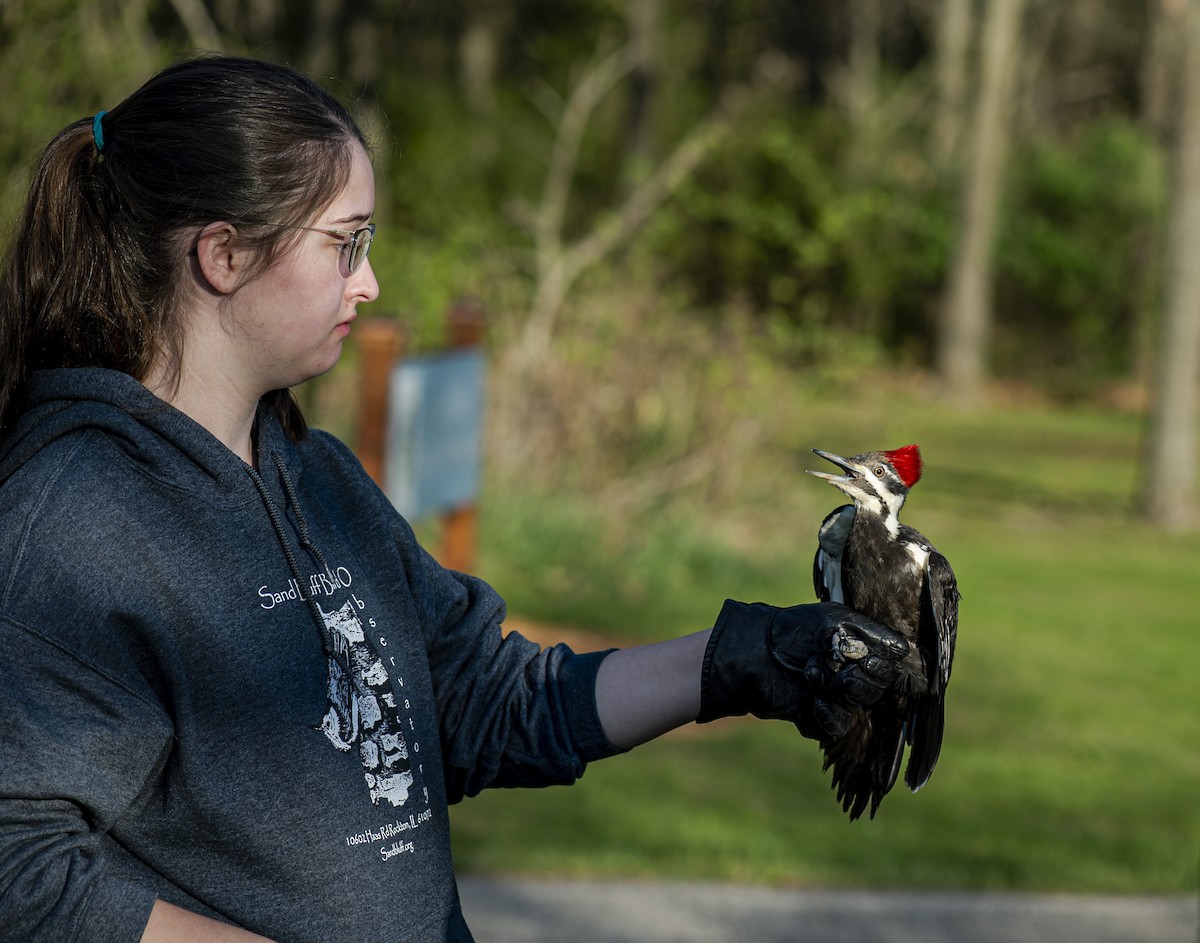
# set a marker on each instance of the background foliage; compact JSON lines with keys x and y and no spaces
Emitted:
{"x":815,"y":217}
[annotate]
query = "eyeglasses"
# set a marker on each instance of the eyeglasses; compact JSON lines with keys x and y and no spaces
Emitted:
{"x":358,"y":243}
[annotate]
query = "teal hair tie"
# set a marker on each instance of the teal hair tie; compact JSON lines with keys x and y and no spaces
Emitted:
{"x":98,"y":130}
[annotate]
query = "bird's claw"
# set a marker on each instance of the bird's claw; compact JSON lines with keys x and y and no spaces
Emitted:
{"x":845,"y":646}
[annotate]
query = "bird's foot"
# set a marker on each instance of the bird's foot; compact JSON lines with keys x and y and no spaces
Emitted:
{"x":846,"y":647}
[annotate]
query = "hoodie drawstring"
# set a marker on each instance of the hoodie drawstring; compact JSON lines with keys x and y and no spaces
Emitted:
{"x":306,"y":542}
{"x":332,"y":650}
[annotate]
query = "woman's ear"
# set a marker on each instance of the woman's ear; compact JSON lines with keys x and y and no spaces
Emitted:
{"x":222,"y":261}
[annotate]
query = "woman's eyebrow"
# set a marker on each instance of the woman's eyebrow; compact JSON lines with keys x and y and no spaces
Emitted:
{"x":348,"y":220}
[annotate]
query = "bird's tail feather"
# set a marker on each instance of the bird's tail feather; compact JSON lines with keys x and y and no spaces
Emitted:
{"x":865,"y":763}
{"x":925,"y":736}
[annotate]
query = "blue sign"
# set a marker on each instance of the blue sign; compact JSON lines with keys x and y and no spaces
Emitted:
{"x":435,"y":432}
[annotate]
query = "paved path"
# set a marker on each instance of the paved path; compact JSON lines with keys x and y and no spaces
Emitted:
{"x":540,"y":911}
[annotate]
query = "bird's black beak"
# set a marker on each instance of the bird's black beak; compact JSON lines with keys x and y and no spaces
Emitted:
{"x":851,"y":471}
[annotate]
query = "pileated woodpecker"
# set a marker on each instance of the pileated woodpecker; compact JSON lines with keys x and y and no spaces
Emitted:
{"x":888,"y":571}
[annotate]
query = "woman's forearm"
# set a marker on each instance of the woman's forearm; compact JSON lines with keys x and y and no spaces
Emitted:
{"x":645,"y":691}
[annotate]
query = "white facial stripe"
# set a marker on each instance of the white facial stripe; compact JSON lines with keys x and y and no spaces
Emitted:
{"x":890,"y":507}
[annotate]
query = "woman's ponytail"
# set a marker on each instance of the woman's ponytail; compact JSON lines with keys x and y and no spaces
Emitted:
{"x":62,"y":286}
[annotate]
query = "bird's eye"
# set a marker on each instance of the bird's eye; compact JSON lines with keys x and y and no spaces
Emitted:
{"x":878,"y":471}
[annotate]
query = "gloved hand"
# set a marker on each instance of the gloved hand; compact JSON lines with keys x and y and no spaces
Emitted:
{"x":813,"y":665}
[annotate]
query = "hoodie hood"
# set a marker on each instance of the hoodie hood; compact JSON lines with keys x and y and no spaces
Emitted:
{"x":161,"y":441}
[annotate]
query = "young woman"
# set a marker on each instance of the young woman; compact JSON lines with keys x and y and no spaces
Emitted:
{"x":238,"y":696}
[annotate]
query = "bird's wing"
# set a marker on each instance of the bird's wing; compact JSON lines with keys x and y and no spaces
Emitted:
{"x":936,"y":637}
{"x":827,"y":563}
{"x":939,"y":620}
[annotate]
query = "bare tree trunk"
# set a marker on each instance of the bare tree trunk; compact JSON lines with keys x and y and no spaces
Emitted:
{"x":953,"y":46}
{"x":254,"y":22}
{"x":201,"y":30}
{"x":643,"y":17}
{"x":1159,"y":82}
{"x":857,"y":82}
{"x":1171,"y":468}
{"x":321,"y":54}
{"x":1160,"y":64}
{"x":966,"y":312}
{"x":263,"y":18}
{"x":479,"y":52}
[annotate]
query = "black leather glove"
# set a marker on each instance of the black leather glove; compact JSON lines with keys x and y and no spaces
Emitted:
{"x":813,"y":665}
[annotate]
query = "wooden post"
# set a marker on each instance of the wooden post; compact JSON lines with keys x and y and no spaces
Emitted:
{"x":381,"y":342}
{"x":466,"y":321}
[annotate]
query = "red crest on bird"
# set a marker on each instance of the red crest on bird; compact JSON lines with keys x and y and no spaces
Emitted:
{"x":907,"y":462}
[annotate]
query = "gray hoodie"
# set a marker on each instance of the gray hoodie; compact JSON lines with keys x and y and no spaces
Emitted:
{"x":248,"y":693}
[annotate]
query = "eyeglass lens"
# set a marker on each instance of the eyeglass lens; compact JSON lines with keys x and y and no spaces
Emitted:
{"x":360,"y":245}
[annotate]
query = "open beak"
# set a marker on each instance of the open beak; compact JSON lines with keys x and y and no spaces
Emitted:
{"x":851,"y":471}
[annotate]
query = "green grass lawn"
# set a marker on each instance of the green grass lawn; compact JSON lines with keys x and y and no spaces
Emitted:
{"x":1072,"y":752}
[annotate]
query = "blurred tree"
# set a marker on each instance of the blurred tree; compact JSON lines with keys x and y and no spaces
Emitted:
{"x":1160,"y":69}
{"x":559,"y":264}
{"x":858,"y":79}
{"x":951,"y":53}
{"x":1171,"y":466}
{"x":202,"y":31}
{"x":560,"y":260}
{"x":645,"y":25}
{"x":966,"y":304}
{"x":485,"y":28}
